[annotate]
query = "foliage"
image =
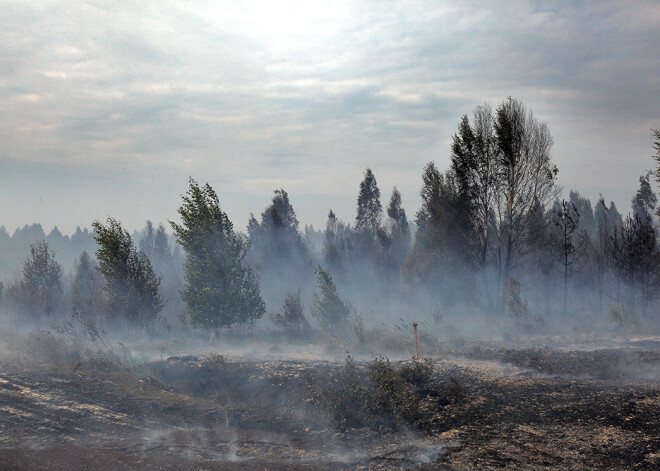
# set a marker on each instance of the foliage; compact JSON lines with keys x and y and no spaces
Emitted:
{"x":369,"y":209}
{"x":277,"y":240}
{"x":380,"y":396}
{"x":645,"y":200}
{"x":338,"y":244}
{"x":656,"y":155}
{"x":130,"y":283}
{"x":39,"y":290}
{"x":220,"y":291}
{"x":292,"y":316}
{"x":622,"y":316}
{"x":399,"y":232}
{"x":327,"y":307}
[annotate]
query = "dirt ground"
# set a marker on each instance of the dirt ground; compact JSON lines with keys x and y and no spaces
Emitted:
{"x":491,"y":407}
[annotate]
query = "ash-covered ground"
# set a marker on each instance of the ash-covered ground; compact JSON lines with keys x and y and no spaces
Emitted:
{"x":487,"y":404}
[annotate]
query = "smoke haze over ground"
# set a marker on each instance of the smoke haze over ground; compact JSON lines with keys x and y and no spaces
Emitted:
{"x":412,"y":236}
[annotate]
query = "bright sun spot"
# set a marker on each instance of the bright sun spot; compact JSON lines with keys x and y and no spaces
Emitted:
{"x":279,"y":24}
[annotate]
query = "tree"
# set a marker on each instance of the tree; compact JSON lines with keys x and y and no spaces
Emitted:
{"x":537,"y":249}
{"x":220,"y":290}
{"x":634,"y":254}
{"x":147,"y":240}
{"x":441,"y":254}
{"x":566,"y":242}
{"x":644,"y":201}
{"x":276,"y":242}
{"x":130,"y":282}
{"x":606,"y":221}
{"x":369,"y":209}
{"x":399,"y":231}
{"x":40,"y":289}
{"x":583,"y":206}
{"x":656,"y":156}
{"x":526,"y":175}
{"x":338,"y":244}
{"x":372,"y":240}
{"x":474,"y":162}
{"x":327,"y":307}
{"x":86,"y":291}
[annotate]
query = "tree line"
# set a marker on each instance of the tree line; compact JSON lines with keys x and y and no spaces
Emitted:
{"x":492,"y":235}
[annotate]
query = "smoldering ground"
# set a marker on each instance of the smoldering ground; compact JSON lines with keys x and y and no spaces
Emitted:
{"x":231,"y":405}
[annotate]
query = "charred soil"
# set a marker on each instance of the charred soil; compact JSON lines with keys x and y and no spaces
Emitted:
{"x":487,"y":408}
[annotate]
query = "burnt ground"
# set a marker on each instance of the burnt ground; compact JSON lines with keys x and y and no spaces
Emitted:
{"x":488,"y":408}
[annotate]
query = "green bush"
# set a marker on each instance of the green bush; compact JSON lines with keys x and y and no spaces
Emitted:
{"x":378,"y":396}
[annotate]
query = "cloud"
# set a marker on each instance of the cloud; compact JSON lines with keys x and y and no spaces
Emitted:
{"x":218,"y":90}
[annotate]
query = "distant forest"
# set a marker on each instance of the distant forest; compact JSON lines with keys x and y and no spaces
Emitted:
{"x":493,"y":236}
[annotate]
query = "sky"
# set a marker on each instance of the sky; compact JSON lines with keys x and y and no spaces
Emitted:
{"x":108,"y":107}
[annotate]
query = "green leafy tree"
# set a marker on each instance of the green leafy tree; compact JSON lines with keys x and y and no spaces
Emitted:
{"x":40,"y":289}
{"x":327,"y":307}
{"x":220,"y":290}
{"x":131,"y":284}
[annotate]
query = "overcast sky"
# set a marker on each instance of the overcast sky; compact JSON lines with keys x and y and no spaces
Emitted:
{"x":107,"y":107}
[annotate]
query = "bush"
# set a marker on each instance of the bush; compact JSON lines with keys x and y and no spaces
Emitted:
{"x":380,"y":396}
{"x":621,"y":315}
{"x":516,"y":306}
{"x":292,"y":316}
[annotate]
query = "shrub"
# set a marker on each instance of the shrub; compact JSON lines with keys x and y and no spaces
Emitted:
{"x":621,"y":315}
{"x":292,"y":316}
{"x":376,"y":397}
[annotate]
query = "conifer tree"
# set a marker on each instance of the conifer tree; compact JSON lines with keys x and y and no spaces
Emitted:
{"x":369,"y":208}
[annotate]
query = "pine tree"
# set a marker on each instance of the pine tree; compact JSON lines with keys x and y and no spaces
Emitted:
{"x":277,"y":240}
{"x":399,"y":232}
{"x":369,"y":209}
{"x":566,"y":242}
{"x":147,"y":241}
{"x":220,"y":290}
{"x":583,"y":206}
{"x":645,"y":200}
{"x":656,"y":155}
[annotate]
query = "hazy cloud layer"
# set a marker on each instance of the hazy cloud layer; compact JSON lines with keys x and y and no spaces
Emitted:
{"x":107,"y":108}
